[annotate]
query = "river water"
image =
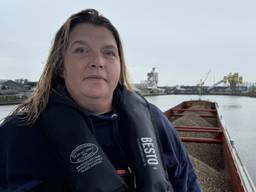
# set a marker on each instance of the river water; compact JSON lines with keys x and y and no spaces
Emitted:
{"x":239,"y":114}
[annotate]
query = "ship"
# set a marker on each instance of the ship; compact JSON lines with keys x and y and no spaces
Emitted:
{"x":201,"y":128}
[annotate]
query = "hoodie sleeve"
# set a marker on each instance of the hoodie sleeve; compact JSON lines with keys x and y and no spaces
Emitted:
{"x":12,"y":159}
{"x":180,"y":170}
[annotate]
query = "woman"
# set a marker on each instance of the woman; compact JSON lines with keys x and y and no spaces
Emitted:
{"x":85,"y":129}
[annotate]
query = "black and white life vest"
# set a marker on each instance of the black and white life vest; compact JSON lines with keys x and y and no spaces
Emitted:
{"x":83,"y":161}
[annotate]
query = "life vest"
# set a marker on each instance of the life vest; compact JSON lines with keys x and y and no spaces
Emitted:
{"x":84,"y":162}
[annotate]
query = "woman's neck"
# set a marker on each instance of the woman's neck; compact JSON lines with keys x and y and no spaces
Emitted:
{"x":97,"y":105}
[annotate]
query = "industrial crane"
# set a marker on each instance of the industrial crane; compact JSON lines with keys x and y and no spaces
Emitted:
{"x":202,"y":81}
{"x":232,"y":79}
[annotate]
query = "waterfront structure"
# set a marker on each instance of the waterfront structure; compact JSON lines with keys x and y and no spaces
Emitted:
{"x":232,"y":79}
{"x":150,"y":86}
{"x":231,"y":84}
{"x":152,"y":79}
{"x":14,"y":92}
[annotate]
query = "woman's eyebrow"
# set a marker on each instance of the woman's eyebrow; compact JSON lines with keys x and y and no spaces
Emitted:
{"x":77,"y":42}
{"x":110,"y":47}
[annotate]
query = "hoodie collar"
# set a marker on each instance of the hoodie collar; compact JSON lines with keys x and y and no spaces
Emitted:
{"x":60,"y":95}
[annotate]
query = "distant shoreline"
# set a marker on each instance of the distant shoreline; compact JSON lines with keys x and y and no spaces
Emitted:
{"x":11,"y":99}
{"x":14,"y":100}
{"x":221,"y":94}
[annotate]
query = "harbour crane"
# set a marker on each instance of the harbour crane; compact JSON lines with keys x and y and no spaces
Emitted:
{"x":202,"y":81}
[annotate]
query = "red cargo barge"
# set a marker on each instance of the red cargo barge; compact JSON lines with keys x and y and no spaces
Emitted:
{"x":212,"y":152}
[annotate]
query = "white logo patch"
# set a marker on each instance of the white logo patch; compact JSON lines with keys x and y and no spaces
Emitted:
{"x":86,"y":157}
{"x":83,"y":152}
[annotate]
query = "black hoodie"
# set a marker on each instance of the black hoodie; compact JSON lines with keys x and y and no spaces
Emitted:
{"x":27,"y":160}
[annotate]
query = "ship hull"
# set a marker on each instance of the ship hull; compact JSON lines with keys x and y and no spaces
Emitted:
{"x":201,"y":129}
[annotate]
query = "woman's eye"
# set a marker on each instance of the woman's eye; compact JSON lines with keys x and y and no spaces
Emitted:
{"x":80,"y":50}
{"x":110,"y":53}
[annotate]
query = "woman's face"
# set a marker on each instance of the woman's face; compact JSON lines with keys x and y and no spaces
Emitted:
{"x":91,"y":63}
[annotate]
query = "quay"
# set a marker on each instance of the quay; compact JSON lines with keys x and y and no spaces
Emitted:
{"x":12,"y":99}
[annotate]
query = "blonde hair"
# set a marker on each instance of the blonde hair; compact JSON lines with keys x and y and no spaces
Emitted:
{"x":53,"y":69}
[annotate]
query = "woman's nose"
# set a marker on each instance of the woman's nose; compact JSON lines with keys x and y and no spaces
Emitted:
{"x":97,"y":61}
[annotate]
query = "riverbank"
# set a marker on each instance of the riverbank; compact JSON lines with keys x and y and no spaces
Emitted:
{"x":18,"y":98}
{"x":223,"y":94}
{"x":12,"y":99}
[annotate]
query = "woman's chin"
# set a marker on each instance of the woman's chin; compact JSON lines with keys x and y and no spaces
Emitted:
{"x":96,"y":93}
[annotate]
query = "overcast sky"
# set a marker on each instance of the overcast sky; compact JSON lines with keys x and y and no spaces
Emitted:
{"x":182,"y":39}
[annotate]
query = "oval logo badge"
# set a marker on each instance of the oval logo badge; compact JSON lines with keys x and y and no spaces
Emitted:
{"x":83,"y":152}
